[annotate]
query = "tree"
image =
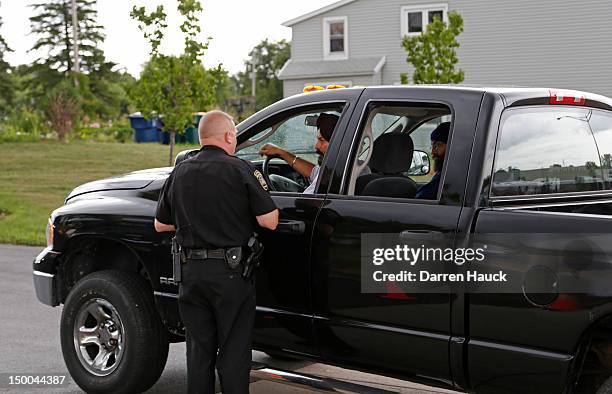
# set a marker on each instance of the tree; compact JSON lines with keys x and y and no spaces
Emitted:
{"x":53,"y":26}
{"x":174,"y":86}
{"x":433,"y":55}
{"x":268,"y":58}
{"x":101,"y":93}
{"x":104,"y":94}
{"x":7,"y":87}
{"x":591,"y":166}
{"x":33,"y":83}
{"x":62,"y":108}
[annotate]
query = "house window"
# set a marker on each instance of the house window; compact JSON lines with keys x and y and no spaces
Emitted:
{"x":416,"y":18}
{"x":335,"y":38}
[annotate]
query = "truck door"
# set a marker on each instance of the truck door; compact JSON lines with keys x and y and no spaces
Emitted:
{"x":283,"y":319}
{"x":391,"y":332}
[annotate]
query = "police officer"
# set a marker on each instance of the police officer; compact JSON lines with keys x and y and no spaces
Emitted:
{"x":214,"y":201}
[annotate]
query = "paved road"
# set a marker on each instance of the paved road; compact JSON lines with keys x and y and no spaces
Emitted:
{"x":29,"y":342}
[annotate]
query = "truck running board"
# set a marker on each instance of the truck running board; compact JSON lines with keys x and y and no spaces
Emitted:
{"x":315,"y":383}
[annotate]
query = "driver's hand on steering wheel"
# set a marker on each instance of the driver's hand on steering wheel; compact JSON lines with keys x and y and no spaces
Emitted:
{"x":270,"y":150}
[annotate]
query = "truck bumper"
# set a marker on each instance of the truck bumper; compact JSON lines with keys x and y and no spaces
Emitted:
{"x":44,"y":276}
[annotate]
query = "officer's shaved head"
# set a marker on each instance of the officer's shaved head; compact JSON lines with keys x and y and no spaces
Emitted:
{"x":218,"y":128}
{"x":214,"y":124}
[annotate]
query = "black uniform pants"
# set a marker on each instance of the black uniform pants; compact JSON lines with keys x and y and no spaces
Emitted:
{"x":217,"y":307}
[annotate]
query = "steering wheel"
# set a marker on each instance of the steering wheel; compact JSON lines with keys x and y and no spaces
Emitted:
{"x":278,"y":183}
{"x":265,"y":169}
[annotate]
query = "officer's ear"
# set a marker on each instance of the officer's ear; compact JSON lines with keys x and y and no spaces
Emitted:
{"x":228,"y":137}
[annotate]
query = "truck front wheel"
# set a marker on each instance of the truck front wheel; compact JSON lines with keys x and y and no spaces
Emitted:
{"x":113,"y":340}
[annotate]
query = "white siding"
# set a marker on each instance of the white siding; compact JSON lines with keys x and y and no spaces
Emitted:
{"x":547,"y":43}
{"x":308,"y":40}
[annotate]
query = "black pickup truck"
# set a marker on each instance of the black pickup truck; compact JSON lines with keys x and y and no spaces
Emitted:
{"x":519,"y":162}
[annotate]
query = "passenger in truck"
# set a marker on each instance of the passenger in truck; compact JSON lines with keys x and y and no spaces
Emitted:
{"x":439,"y":138}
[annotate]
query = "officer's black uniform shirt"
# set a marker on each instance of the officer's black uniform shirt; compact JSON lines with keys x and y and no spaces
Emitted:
{"x":212,"y":199}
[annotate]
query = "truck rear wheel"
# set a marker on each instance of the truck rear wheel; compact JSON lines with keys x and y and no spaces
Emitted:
{"x":113,"y":340}
{"x":606,"y":387}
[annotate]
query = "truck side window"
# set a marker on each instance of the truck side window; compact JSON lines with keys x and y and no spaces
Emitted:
{"x":393,"y":158}
{"x":294,"y":131}
{"x":601,"y":124}
{"x":544,"y":150}
{"x":292,"y":134}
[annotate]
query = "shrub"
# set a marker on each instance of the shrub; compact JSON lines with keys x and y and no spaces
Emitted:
{"x":62,"y":112}
{"x":117,"y":132}
{"x":23,"y":125}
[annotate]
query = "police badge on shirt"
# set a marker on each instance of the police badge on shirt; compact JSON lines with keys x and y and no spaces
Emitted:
{"x":261,"y":179}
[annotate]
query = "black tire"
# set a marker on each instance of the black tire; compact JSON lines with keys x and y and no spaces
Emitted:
{"x":133,"y":334}
{"x":606,"y":387}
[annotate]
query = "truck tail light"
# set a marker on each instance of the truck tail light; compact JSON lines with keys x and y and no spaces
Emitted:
{"x":394,"y":292}
{"x":49,"y":232}
{"x":565,"y":302}
{"x":560,"y":98}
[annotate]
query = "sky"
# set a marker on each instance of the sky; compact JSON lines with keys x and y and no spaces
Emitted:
{"x":235,"y":26}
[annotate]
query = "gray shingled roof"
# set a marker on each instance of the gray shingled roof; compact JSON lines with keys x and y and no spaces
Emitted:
{"x":331,"y":68}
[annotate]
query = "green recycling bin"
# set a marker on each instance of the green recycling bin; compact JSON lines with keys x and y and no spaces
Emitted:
{"x":191,"y":135}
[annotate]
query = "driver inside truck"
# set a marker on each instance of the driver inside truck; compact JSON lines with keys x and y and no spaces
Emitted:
{"x":326,"y":123}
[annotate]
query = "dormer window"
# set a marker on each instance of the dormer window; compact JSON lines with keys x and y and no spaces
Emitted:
{"x":335,"y":38}
{"x":416,"y":18}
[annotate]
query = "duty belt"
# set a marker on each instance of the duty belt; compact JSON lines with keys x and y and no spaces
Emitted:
{"x":202,"y":254}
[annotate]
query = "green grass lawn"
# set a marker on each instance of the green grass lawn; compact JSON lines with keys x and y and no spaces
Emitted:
{"x":35,"y":178}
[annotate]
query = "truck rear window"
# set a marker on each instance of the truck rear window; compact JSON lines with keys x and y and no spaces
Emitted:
{"x":601,"y":124}
{"x":544,"y":150}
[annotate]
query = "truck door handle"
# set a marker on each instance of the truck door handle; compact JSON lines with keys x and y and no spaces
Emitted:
{"x":291,"y":227}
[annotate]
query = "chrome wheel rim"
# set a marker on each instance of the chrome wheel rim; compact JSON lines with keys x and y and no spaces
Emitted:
{"x":99,"y":337}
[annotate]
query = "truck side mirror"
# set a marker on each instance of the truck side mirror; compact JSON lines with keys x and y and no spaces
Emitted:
{"x":184,"y":155}
{"x":420,"y":164}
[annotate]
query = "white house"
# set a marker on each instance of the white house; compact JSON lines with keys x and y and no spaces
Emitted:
{"x":551,"y":43}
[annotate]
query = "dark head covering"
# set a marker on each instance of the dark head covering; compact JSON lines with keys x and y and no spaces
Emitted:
{"x":326,"y":123}
{"x":441,"y":132}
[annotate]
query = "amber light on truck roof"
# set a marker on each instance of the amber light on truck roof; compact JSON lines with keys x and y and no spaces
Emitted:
{"x":312,"y":88}
{"x":559,"y":98}
{"x":315,"y":88}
